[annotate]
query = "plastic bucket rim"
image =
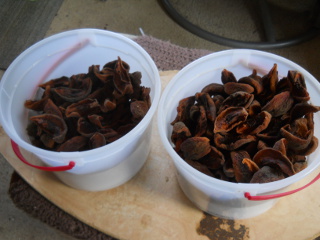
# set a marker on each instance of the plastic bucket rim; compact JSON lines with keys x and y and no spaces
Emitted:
{"x":210,"y":181}
{"x":71,"y":155}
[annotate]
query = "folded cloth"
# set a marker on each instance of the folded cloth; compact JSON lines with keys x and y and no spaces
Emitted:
{"x":167,"y":56}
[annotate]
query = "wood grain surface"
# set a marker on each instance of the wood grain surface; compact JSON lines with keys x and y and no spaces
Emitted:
{"x":152,"y":205}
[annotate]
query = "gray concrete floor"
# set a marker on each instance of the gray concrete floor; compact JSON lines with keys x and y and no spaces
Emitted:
{"x":128,"y":16}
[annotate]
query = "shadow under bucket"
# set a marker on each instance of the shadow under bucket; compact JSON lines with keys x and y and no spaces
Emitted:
{"x":217,"y":197}
{"x":66,"y":54}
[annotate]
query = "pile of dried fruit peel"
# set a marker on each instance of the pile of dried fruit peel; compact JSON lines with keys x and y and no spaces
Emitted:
{"x":88,"y":110}
{"x":256,"y":129}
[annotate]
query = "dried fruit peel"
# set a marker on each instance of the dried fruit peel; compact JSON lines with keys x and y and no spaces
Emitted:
{"x":247,"y":130}
{"x":88,"y":110}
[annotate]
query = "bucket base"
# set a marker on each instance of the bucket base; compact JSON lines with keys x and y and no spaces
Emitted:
{"x":224,"y":205}
{"x":234,"y":213}
{"x":115,"y":176}
{"x":104,"y":180}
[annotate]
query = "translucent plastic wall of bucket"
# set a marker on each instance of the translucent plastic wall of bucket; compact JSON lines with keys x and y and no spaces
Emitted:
{"x":217,"y":197}
{"x":66,"y":54}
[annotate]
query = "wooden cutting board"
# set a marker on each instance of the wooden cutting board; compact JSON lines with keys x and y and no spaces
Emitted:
{"x":152,"y":205}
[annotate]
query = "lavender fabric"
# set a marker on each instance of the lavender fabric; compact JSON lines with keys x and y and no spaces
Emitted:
{"x":168,"y":56}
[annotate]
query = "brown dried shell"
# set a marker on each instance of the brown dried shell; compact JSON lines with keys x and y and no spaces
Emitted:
{"x":232,"y":142}
{"x":51,"y":108}
{"x":74,"y":144}
{"x":207,"y":102}
{"x":273,"y":158}
{"x":297,"y":134}
{"x":51,"y":124}
{"x":255,"y":124}
{"x":83,"y":108}
{"x":214,"y":159}
{"x":227,"y":76}
{"x":238,"y":99}
{"x":121,"y":79}
{"x":267,"y":174}
{"x":230,"y":118}
{"x":74,"y":94}
{"x":138,"y":110}
{"x":244,"y":168}
{"x":97,"y":140}
{"x":213,"y":89}
{"x":180,"y":133}
{"x":298,"y":86}
{"x":183,"y":110}
{"x":279,"y":104}
{"x":232,"y":87}
{"x":195,"y":148}
{"x":253,"y":80}
{"x":85,"y":128}
{"x":38,"y":105}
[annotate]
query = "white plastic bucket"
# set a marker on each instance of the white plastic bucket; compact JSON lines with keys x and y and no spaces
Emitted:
{"x":217,"y":197}
{"x":69,"y":53}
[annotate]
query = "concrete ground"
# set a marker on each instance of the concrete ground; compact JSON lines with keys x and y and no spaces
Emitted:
{"x":133,"y":17}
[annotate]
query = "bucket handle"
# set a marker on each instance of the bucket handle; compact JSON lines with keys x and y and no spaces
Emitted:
{"x":15,"y":146}
{"x":16,"y":150}
{"x":272,"y":196}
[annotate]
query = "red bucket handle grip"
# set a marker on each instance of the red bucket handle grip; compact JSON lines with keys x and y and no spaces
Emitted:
{"x":15,"y":146}
{"x":16,"y":150}
{"x":272,"y":196}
